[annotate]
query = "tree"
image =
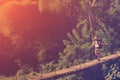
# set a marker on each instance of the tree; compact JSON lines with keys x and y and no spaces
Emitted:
{"x":32,"y":31}
{"x":77,"y":45}
{"x":66,"y":8}
{"x":111,"y":70}
{"x":76,"y":50}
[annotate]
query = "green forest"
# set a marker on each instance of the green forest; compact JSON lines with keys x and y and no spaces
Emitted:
{"x":41,"y":36}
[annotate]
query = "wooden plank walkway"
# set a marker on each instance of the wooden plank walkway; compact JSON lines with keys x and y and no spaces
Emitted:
{"x":74,"y":69}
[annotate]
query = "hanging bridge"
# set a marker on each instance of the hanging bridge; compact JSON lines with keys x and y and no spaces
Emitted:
{"x":74,"y":69}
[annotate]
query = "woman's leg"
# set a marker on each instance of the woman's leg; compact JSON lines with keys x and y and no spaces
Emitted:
{"x":97,"y":53}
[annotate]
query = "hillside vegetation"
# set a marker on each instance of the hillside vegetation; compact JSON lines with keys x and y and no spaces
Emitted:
{"x":42,"y":36}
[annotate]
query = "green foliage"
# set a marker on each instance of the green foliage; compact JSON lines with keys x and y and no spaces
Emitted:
{"x":46,"y":68}
{"x":67,"y":77}
{"x":76,"y":51}
{"x":23,"y":24}
{"x":84,"y":6}
{"x":77,"y":47}
{"x":69,"y":8}
{"x":112,"y":70}
{"x":111,"y":19}
{"x":19,"y":76}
